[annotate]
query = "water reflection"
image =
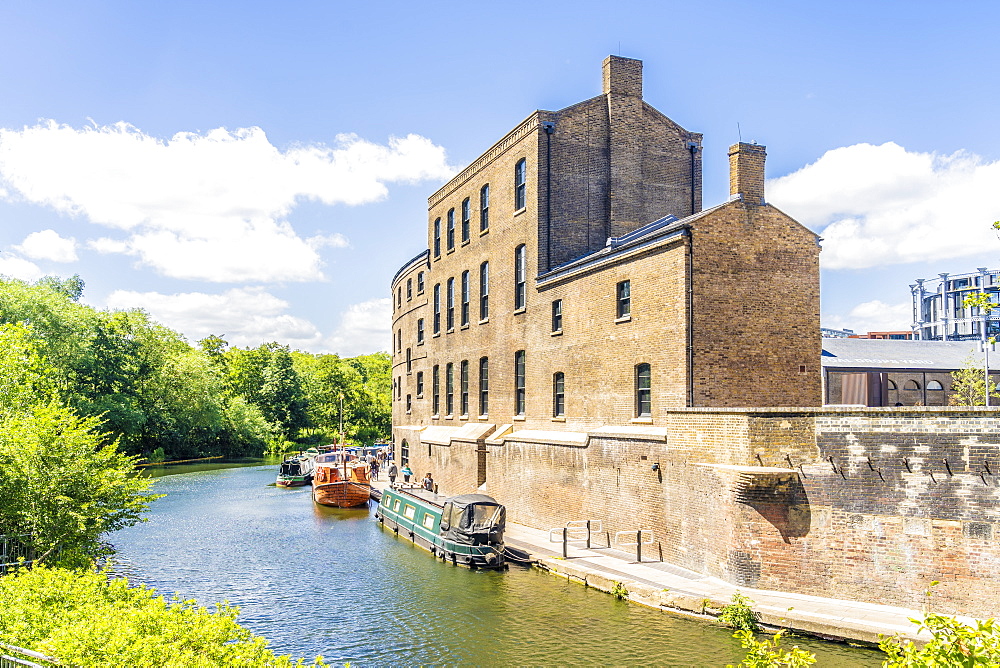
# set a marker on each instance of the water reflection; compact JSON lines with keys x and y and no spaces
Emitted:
{"x":318,"y":580}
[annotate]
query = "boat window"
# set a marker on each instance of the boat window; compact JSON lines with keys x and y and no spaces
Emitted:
{"x":395,"y":505}
{"x":446,"y":516}
{"x":482,"y":516}
{"x":428,"y":521}
{"x":409,"y":511}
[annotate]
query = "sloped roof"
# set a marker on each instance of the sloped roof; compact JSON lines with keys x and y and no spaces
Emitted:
{"x":902,"y":354}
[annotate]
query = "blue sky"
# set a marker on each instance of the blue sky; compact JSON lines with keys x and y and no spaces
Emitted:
{"x":260,"y":170}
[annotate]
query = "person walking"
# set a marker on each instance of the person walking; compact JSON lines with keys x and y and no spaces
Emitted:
{"x":428,"y":483}
{"x":407,"y":472}
{"x":374,"y":467}
{"x":393,"y":472}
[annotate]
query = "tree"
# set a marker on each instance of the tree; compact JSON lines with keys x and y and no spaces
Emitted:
{"x":63,"y":484}
{"x":969,"y":385}
{"x":282,"y":399}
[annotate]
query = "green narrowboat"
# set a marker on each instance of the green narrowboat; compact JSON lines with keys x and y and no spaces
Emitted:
{"x":466,"y":530}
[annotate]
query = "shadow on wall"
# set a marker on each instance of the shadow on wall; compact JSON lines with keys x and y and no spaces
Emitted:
{"x":780,"y":498}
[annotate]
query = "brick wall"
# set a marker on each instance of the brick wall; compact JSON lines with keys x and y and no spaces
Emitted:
{"x":726,"y":503}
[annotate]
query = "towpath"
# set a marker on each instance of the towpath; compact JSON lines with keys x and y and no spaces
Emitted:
{"x":675,"y":589}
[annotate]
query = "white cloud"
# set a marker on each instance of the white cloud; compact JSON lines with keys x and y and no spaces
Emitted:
{"x":15,"y":267}
{"x":881,"y":205}
{"x":242,"y":316}
{"x":48,"y":245}
{"x":873,"y":316}
{"x":364,"y":328}
{"x":212,"y":206}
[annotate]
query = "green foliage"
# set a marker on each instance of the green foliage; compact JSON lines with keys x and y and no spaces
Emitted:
{"x":739,"y":614}
{"x":83,"y":618}
{"x":619,"y":591}
{"x":63,"y":484}
{"x":769,"y":653}
{"x":953,"y":644}
{"x":969,"y":385}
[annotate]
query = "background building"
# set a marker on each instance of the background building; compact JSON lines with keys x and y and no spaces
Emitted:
{"x":938,"y":313}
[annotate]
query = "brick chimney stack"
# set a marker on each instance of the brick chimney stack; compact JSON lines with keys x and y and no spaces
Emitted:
{"x":623,"y":76}
{"x":746,"y":172}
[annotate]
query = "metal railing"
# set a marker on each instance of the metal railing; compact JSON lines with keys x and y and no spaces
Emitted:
{"x":13,"y":657}
{"x":578,"y":531}
{"x":14,"y":553}
{"x":637,"y":538}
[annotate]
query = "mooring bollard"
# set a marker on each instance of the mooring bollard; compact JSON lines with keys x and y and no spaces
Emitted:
{"x":638,"y":546}
{"x":565,"y":539}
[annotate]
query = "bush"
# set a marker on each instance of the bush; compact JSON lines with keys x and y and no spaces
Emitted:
{"x":739,"y":615}
{"x":83,"y":618}
{"x":952,"y":644}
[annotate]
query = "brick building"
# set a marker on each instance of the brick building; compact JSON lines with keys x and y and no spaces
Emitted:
{"x":572,"y":280}
{"x":583,"y":341}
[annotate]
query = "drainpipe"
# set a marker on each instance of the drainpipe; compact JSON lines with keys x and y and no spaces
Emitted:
{"x":689,"y":308}
{"x":549,"y":128}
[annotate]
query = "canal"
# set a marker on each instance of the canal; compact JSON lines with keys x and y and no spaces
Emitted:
{"x":316,"y":580}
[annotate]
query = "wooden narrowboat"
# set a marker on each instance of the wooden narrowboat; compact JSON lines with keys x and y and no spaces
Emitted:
{"x":466,"y":530}
{"x":297,"y":471}
{"x":340,"y":481}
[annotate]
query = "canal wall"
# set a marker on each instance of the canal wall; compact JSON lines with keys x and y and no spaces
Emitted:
{"x":861,"y":504}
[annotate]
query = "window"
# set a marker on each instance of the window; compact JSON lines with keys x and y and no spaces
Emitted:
{"x":420,"y":283}
{"x":484,"y":208}
{"x":435,"y":389}
{"x":437,"y":308}
{"x":557,"y":315}
{"x":934,"y":385}
{"x":451,"y":229}
{"x":451,"y":304}
{"x":484,"y":290}
{"x":420,"y":331}
{"x":520,"y":277}
{"x":520,"y":183}
{"x":463,"y":387}
{"x":519,"y":389}
{"x":624,"y":293}
{"x":404,"y":457}
{"x":399,"y":297}
{"x":559,"y":394}
{"x":449,"y":388}
{"x":437,"y":238}
{"x":911,"y":385}
{"x":484,"y":385}
{"x":465,"y":298}
{"x":409,"y":403}
{"x":409,"y":289}
{"x":399,"y":341}
{"x":399,"y":388}
{"x":409,"y":361}
{"x":643,"y":391}
{"x":466,"y":219}
{"x":420,"y":384}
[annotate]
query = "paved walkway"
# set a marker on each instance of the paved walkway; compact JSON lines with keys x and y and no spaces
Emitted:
{"x":675,"y":589}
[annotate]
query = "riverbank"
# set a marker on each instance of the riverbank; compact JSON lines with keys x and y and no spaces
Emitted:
{"x":673,"y":589}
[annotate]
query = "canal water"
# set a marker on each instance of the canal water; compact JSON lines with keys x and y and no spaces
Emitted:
{"x":317,"y":580}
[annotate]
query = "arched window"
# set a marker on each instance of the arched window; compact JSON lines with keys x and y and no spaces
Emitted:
{"x":520,"y":277}
{"x":484,"y":385}
{"x":465,"y":298}
{"x":519,"y":383}
{"x":892,"y":385}
{"x":520,"y":184}
{"x":451,"y":304}
{"x":404,"y":453}
{"x":451,"y":229}
{"x":437,"y":308}
{"x":559,"y":394}
{"x":466,"y":218}
{"x":484,"y":208}
{"x":436,"y":389}
{"x":449,"y":388}
{"x":437,"y":238}
{"x":934,"y":385}
{"x":911,"y":385}
{"x":484,"y":290}
{"x":463,"y":388}
{"x":643,"y":391}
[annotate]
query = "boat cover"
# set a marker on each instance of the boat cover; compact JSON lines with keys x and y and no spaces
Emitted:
{"x":473,"y":519}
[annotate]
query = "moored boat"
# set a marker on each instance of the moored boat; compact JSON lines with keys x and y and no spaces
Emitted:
{"x":340,"y":481}
{"x":296,"y":471}
{"x":466,"y":530}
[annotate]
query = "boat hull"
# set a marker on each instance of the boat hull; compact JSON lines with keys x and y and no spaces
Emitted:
{"x":342,"y":494}
{"x":292,"y":482}
{"x":419,"y":522}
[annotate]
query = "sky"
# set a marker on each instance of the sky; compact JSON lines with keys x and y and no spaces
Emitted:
{"x":260,"y":170}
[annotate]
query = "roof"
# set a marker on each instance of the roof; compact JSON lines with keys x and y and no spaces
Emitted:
{"x":902,"y":354}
